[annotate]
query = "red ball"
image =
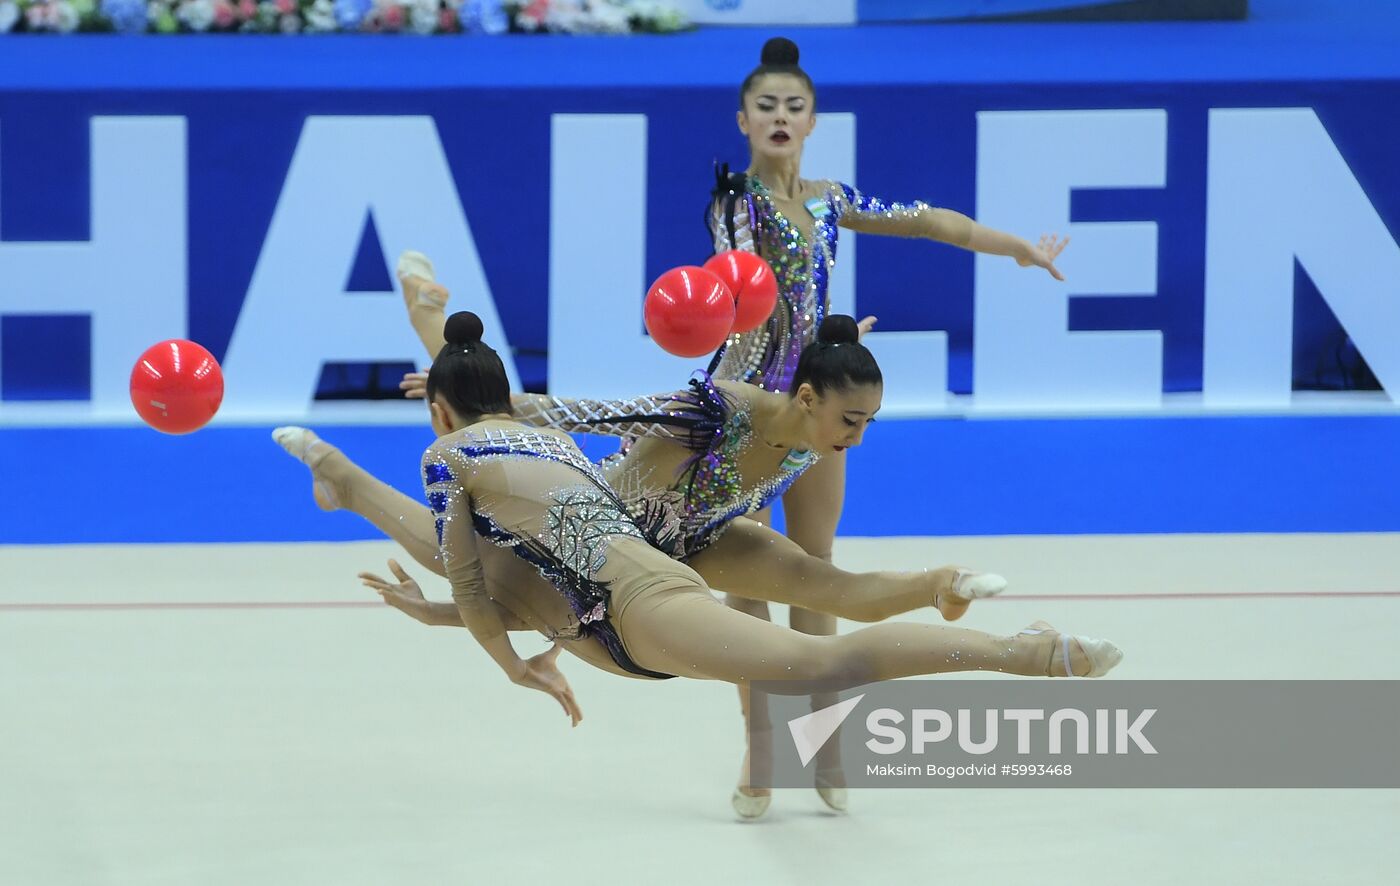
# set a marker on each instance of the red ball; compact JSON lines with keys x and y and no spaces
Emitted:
{"x":751,"y":280}
{"x":689,"y":311}
{"x":176,"y":386}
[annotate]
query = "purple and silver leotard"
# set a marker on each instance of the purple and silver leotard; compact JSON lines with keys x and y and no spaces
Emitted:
{"x":742,"y":216}
{"x":708,"y":491}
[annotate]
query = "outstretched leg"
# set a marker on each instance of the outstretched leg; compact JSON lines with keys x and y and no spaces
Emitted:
{"x":758,"y":563}
{"x":425,"y":300}
{"x":339,"y":483}
{"x":686,"y":631}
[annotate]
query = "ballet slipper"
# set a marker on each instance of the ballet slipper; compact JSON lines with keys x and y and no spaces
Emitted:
{"x":415,"y":264}
{"x":1099,"y":656}
{"x":967,"y":586}
{"x":303,"y":445}
{"x":748,"y":804}
{"x":750,"y":807}
{"x":835,"y":796}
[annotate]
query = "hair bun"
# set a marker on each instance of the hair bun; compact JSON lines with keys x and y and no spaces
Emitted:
{"x":779,"y":51}
{"x":839,"y":329}
{"x":463,"y":328}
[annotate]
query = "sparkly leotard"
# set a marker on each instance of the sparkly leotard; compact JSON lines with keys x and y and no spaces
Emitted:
{"x":537,"y":495}
{"x":742,"y":216}
{"x":708,"y":491}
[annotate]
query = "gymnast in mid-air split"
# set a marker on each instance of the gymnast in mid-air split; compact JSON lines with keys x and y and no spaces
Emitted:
{"x":606,"y":589}
{"x":704,"y":459}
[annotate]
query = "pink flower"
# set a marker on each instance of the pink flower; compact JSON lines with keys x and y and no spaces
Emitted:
{"x":223,"y":14}
{"x":38,"y":16}
{"x":286,"y":7}
{"x":248,"y":9}
{"x":533,"y":15}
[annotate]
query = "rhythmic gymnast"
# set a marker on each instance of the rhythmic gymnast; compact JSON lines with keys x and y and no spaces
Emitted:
{"x":705,"y":458}
{"x":794,"y":223}
{"x":492,"y":481}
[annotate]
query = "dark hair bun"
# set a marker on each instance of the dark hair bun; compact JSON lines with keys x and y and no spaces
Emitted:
{"x":463,"y":328}
{"x":839,"y":329}
{"x":779,"y":51}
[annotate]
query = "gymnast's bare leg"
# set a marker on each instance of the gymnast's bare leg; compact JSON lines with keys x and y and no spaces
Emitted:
{"x":340,"y":484}
{"x":692,"y":634}
{"x":812,"y":510}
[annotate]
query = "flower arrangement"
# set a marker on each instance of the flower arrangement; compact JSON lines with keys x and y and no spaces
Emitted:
{"x":343,"y":16}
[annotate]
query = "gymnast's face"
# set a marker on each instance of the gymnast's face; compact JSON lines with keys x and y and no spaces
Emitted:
{"x":777,"y":116}
{"x":837,"y":420}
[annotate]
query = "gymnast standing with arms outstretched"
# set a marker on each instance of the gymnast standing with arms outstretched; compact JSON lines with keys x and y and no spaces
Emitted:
{"x":794,"y":223}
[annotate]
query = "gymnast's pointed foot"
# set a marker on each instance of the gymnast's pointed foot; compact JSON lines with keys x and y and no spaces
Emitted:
{"x":420,"y":287}
{"x":831,"y":787}
{"x":749,"y":802}
{"x":1070,"y":655}
{"x":303,"y":445}
{"x":964,"y":586}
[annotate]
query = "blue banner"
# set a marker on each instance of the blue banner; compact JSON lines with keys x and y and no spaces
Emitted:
{"x":262,"y":220}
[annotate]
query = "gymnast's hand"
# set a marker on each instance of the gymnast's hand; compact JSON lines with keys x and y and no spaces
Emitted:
{"x":542,"y":673}
{"x":865,"y":326}
{"x":405,"y":596}
{"x":414,"y":385}
{"x":1042,"y":255}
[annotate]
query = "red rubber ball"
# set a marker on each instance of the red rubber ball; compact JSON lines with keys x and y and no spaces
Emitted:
{"x":751,"y":280}
{"x":689,"y":311}
{"x":176,"y":386}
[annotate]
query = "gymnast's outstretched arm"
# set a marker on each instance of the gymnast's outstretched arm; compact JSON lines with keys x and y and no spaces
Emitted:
{"x":871,"y":215}
{"x":673,"y":415}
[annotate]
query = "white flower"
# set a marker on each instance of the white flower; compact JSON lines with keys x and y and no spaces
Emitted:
{"x":659,"y":16}
{"x":9,"y":14}
{"x":58,"y":16}
{"x":566,"y":16}
{"x":197,"y":15}
{"x":608,"y":18}
{"x":65,"y":17}
{"x":423,"y":16}
{"x":320,"y":18}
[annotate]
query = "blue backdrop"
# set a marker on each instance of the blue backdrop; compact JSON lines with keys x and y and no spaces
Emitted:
{"x":915,"y":91}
